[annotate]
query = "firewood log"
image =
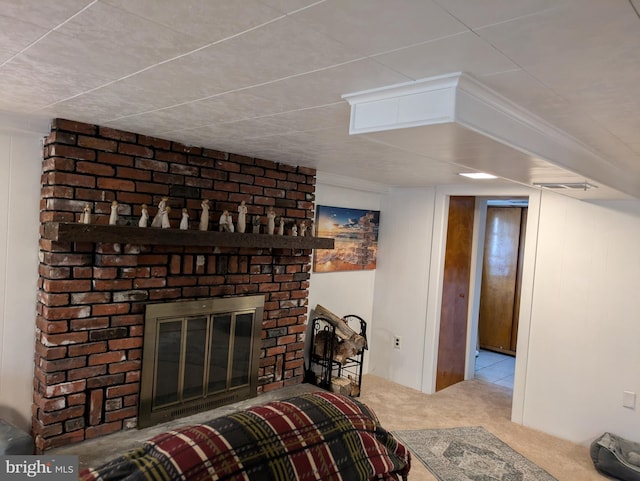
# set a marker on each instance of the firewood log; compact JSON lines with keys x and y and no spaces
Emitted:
{"x":345,"y":386}
{"x":342,"y":329}
{"x":342,"y":350}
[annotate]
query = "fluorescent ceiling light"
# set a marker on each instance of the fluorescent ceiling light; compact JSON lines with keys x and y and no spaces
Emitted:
{"x":477,"y":175}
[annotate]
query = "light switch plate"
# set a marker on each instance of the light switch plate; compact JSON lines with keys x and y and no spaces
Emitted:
{"x":629,"y":399}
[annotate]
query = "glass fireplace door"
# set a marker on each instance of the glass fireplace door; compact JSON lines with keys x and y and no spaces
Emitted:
{"x":198,"y":361}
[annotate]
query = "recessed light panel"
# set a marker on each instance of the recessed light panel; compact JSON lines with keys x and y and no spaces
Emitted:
{"x":477,"y":175}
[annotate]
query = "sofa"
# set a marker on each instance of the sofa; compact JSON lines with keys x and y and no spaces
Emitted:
{"x":319,"y":435}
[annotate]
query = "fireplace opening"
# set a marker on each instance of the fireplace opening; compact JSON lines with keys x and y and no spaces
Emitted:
{"x":198,"y":355}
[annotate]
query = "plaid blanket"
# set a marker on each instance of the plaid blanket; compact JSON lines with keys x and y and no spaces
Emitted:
{"x":314,"y":436}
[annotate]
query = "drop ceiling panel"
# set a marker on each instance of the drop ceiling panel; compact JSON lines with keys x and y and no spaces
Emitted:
{"x":5,"y":54}
{"x":521,"y":87}
{"x":237,"y":132}
{"x":242,"y":76}
{"x":326,"y":86}
{"x":241,"y":62}
{"x":191,"y":115}
{"x":223,"y":18}
{"x":576,"y":27}
{"x":570,"y":116}
{"x":464,"y":52}
{"x":115,"y":100}
{"x":44,"y":14}
{"x":463,"y":149}
{"x":16,"y":34}
{"x":26,"y":79}
{"x":370,"y":26}
{"x":136,"y":41}
{"x":288,"y":6}
{"x":283,"y":48}
{"x":489,"y":12}
{"x":308,"y":119}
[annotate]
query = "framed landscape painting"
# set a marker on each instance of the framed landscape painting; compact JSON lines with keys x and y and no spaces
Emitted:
{"x":355,"y":232}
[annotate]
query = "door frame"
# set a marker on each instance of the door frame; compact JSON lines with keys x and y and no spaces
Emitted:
{"x":436,"y":273}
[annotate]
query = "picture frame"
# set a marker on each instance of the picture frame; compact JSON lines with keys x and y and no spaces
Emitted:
{"x":355,"y":232}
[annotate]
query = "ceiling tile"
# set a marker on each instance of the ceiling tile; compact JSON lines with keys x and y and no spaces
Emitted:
{"x":229,"y":107}
{"x":44,"y":14}
{"x":5,"y":54}
{"x":283,"y":48}
{"x":40,"y":76}
{"x":315,"y":118}
{"x":560,"y":33}
{"x":523,"y":89}
{"x":107,"y":103}
{"x":288,"y":6}
{"x":488,"y":12}
{"x":223,"y":18}
{"x":465,"y":52}
{"x":131,"y":37}
{"x":326,"y":86}
{"x":265,"y":77}
{"x":241,"y":62}
{"x":376,"y":26}
{"x":16,"y":34}
{"x":240,"y":131}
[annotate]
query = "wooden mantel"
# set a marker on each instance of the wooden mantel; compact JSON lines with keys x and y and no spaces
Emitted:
{"x":76,"y":232}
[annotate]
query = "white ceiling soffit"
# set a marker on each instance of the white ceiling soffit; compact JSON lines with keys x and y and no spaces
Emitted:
{"x":454,"y":118}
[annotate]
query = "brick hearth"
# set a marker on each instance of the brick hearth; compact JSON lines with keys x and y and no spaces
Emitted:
{"x":90,"y":312}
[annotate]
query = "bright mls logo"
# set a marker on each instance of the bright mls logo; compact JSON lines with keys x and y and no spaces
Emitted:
{"x":51,"y":468}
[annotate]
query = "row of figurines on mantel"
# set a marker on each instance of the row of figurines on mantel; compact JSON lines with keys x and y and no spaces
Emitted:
{"x":225,"y":223}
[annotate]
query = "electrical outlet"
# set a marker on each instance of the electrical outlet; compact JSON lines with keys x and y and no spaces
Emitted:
{"x":396,"y":342}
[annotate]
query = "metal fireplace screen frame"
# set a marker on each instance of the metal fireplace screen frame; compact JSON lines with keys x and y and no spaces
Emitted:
{"x":198,"y":355}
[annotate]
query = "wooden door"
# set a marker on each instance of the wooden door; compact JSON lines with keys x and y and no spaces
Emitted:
{"x":455,"y":293}
{"x":501,"y":276}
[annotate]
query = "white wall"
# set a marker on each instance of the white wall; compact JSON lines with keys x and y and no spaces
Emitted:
{"x":408,"y":288}
{"x":578,"y":342}
{"x":20,"y":169}
{"x":401,"y":290}
{"x":346,"y":292}
{"x":585,"y":328}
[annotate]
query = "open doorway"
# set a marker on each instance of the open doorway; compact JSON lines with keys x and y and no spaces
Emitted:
{"x":433,"y":337}
{"x":501,"y":242}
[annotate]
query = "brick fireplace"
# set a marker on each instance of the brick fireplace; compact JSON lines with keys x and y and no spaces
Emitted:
{"x":92,"y":295}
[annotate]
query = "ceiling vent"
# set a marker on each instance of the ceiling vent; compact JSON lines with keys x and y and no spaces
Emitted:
{"x":566,"y":185}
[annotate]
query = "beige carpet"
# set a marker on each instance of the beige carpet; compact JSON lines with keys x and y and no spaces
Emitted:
{"x":470,"y":403}
{"x":474,"y":403}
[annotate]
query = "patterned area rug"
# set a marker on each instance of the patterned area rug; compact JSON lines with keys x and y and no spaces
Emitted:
{"x":470,"y":454}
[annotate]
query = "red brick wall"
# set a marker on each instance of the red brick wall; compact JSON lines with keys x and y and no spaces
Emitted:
{"x":91,"y":299}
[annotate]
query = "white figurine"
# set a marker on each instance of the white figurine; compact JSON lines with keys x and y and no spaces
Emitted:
{"x":303,"y":228}
{"x":85,"y":218}
{"x":281,"y":227}
{"x":242,"y":217}
{"x":144,"y":216}
{"x":271,"y":221}
{"x":157,"y":220}
{"x":223,"y":221}
{"x":204,"y":215}
{"x":294,"y":230}
{"x":184,"y":222}
{"x":165,"y":224}
{"x":113,"y":217}
{"x":256,"y":224}
{"x":310,"y":230}
{"x":226,"y":222}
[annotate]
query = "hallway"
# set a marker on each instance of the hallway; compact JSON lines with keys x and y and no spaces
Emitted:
{"x":495,"y":368}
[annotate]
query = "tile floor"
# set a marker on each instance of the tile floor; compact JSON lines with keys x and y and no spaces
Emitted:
{"x":495,"y":368}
